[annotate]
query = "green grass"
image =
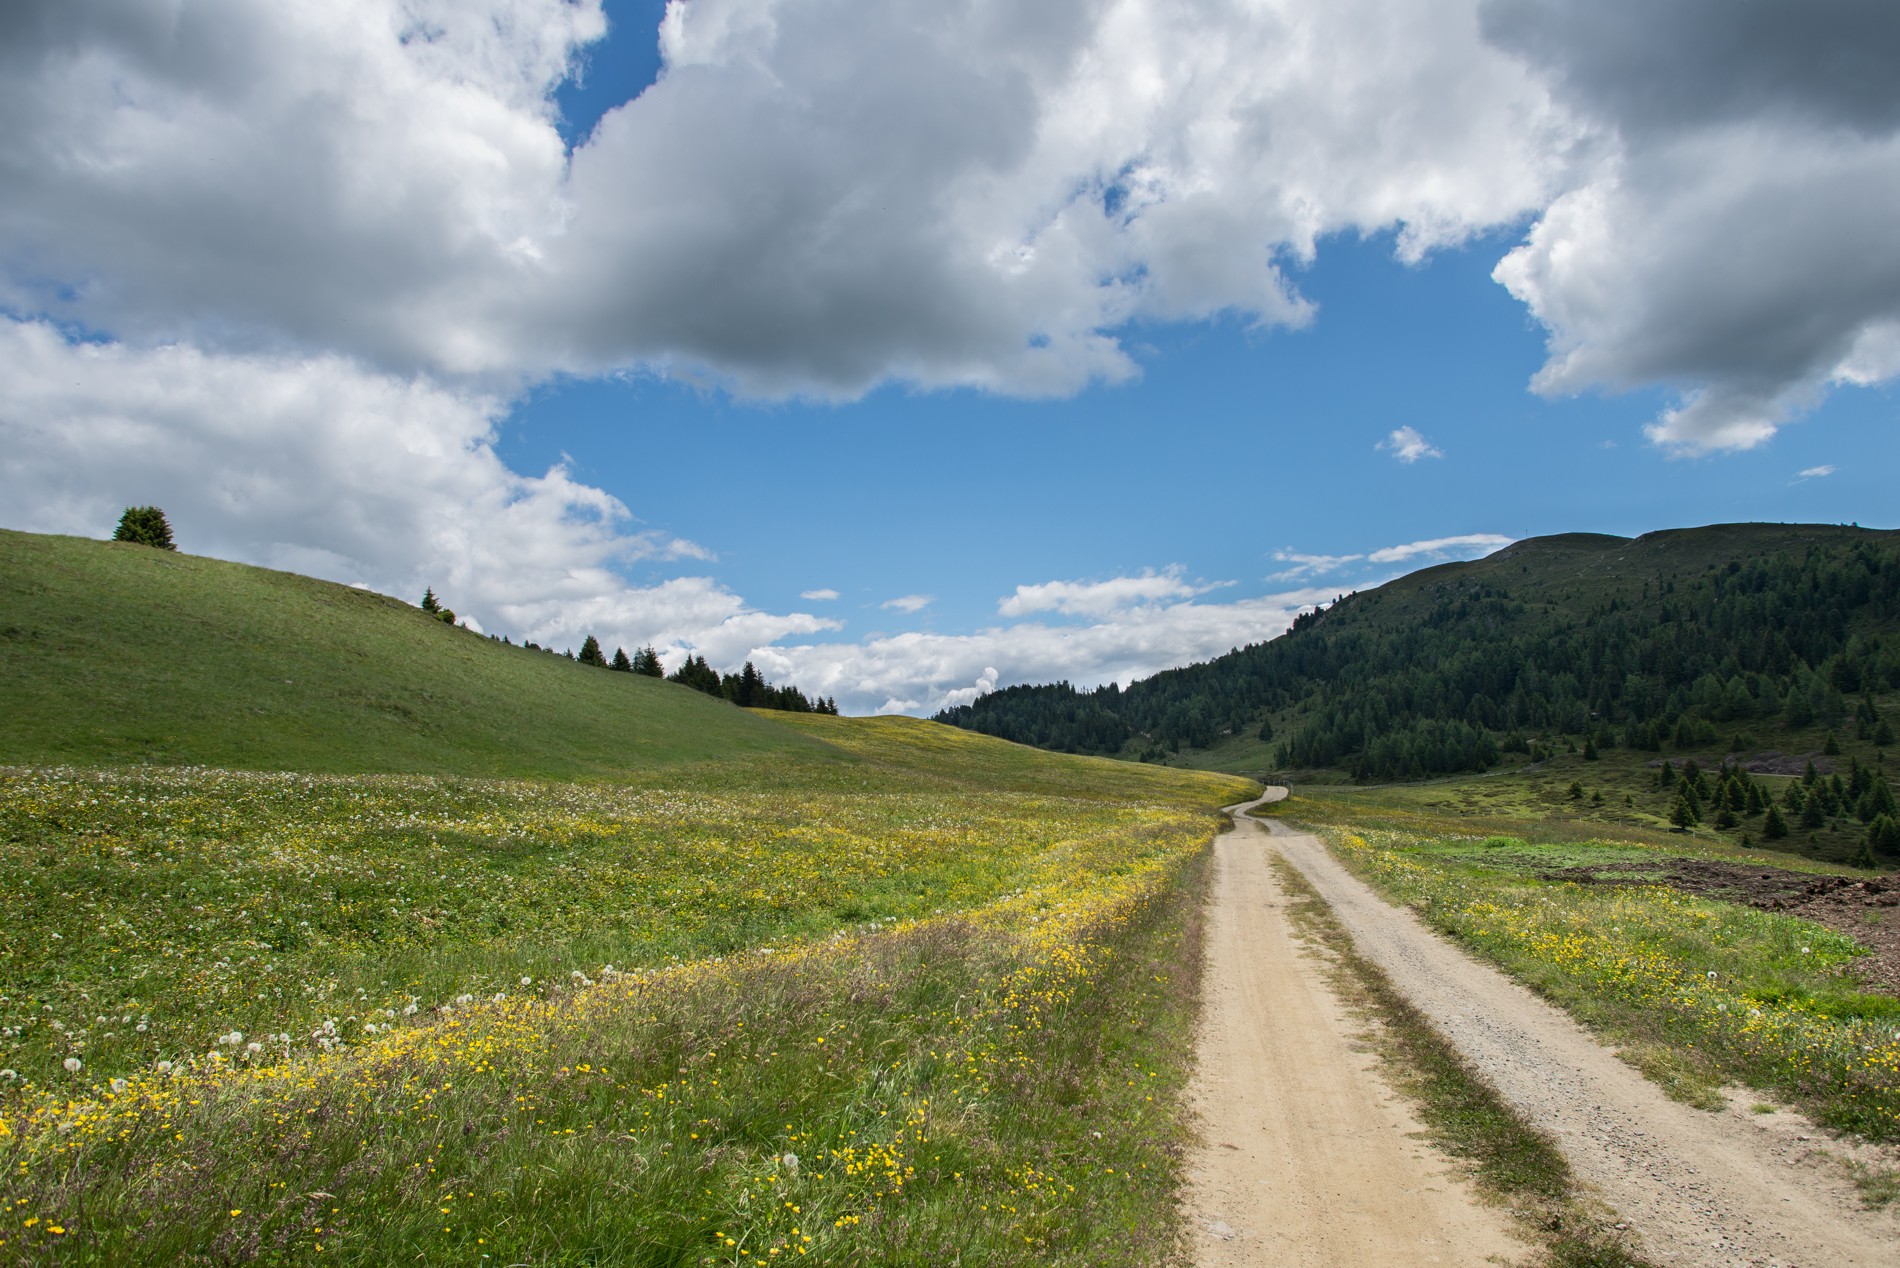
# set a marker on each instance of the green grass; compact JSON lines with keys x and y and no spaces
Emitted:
{"x":1626,"y":783}
{"x":932,"y":751}
{"x":1696,"y":992}
{"x":115,"y":653}
{"x":953,"y":975}
{"x":1504,"y":1155}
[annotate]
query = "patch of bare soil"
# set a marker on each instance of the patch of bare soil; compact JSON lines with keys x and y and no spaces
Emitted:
{"x":1866,"y":910}
{"x":1773,"y":763}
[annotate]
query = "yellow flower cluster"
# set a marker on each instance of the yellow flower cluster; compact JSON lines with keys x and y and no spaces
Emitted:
{"x":1758,"y":991}
{"x":186,"y":879}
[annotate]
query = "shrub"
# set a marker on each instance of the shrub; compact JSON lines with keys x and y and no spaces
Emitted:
{"x":145,"y":525}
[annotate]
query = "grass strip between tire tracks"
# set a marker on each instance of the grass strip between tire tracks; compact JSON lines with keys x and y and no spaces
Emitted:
{"x":1506,"y":1157}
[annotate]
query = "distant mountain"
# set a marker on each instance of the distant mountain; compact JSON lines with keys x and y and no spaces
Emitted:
{"x":1669,"y":638}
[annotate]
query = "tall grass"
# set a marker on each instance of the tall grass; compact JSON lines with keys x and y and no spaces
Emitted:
{"x":991,"y":1087}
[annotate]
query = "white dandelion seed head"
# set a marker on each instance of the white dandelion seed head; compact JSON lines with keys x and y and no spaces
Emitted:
{"x":118,"y":1085}
{"x":73,"y":1065}
{"x":527,"y":981}
{"x":163,"y":1067}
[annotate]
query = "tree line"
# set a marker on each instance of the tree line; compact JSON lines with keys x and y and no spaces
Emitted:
{"x":748,"y":688}
{"x":1482,"y":669}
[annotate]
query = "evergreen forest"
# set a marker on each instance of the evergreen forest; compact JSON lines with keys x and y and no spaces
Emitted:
{"x":1677,"y":638}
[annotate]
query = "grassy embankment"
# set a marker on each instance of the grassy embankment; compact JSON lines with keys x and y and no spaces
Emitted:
{"x":1697,"y":992}
{"x":879,"y":992}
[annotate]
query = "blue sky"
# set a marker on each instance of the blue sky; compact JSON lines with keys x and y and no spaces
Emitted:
{"x":1063,"y":341}
{"x":1234,"y":443}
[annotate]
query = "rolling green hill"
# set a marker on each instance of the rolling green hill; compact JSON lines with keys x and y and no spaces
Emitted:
{"x":1669,"y":638}
{"x":112,"y":652}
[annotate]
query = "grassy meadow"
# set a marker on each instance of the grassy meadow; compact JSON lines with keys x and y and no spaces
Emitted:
{"x":924,"y":997}
{"x":1697,"y":992}
{"x":115,"y":653}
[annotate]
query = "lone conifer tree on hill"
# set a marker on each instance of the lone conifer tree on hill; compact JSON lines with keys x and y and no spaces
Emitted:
{"x":145,"y":525}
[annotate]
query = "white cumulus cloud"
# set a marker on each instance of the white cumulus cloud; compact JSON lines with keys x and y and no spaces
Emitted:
{"x":1468,"y":544}
{"x":1730,"y":236}
{"x":1098,"y":598}
{"x":1408,"y":445}
{"x":924,"y":672}
{"x":818,"y":596}
{"x":320,"y":466}
{"x":909,"y":602}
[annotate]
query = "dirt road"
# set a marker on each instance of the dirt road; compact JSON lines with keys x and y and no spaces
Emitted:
{"x":1307,"y":1160}
{"x":1698,"y":1188}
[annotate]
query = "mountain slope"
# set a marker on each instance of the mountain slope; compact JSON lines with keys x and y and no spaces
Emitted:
{"x":1619,"y":639}
{"x":114,"y":652}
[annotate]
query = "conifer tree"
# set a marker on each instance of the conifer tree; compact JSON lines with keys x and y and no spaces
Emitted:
{"x":1589,"y":750}
{"x":1266,"y":729}
{"x":621,"y":662}
{"x":1814,"y":814}
{"x":1682,"y":814}
{"x":1884,"y":835}
{"x":1831,"y":748}
{"x":1883,"y":734}
{"x":647,"y":661}
{"x":145,"y":525}
{"x":1876,"y":801}
{"x":430,"y":603}
{"x":1774,"y":827}
{"x":590,"y":652}
{"x":1864,"y":857}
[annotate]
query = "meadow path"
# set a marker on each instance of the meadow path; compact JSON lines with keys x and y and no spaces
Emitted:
{"x":1718,"y":1189}
{"x":1308,"y":1159}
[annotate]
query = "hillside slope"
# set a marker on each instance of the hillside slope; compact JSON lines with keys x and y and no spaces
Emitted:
{"x":1578,"y":634}
{"x":114,"y":652}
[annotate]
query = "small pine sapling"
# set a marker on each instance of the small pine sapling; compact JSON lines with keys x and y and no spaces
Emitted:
{"x":146,"y":526}
{"x":1774,"y":827}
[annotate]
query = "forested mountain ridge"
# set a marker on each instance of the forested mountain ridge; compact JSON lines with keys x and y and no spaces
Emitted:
{"x":1640,"y":641}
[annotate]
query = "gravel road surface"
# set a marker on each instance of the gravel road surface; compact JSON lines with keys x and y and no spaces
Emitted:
{"x":1307,"y":1159}
{"x":1698,"y":1188}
